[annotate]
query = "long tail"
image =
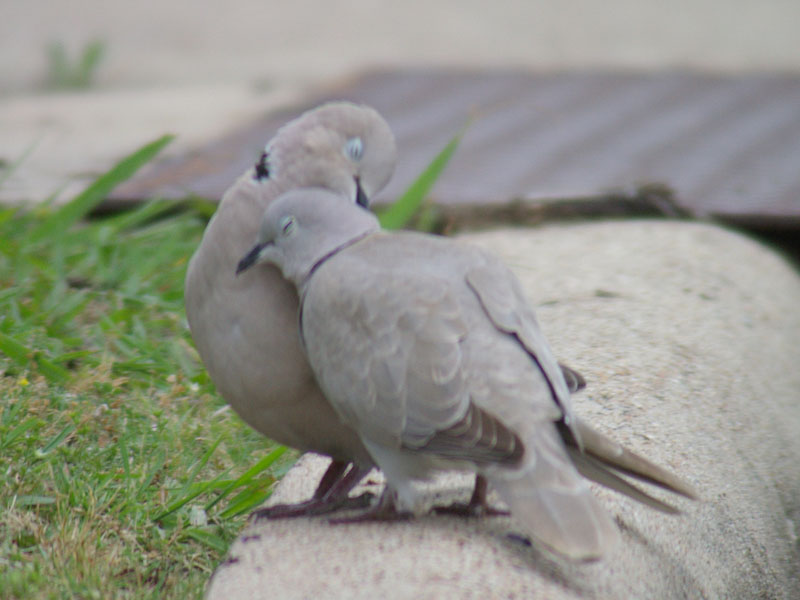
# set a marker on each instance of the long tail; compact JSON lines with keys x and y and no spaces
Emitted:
{"x":553,"y":502}
{"x":603,"y":459}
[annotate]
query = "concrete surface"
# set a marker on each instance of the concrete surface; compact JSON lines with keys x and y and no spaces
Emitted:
{"x":688,"y":337}
{"x":195,"y":68}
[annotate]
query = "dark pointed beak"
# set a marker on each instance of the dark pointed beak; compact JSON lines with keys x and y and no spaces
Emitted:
{"x":361,"y":197}
{"x":250,"y":258}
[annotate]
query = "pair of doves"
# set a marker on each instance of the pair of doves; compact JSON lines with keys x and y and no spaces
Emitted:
{"x":416,"y":353}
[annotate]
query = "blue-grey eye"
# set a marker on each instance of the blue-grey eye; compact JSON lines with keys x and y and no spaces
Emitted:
{"x":354,"y":148}
{"x":287,"y":224}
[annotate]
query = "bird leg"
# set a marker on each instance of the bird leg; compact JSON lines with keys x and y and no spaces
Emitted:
{"x":338,"y":496}
{"x":332,"y":493}
{"x":478,"y":506}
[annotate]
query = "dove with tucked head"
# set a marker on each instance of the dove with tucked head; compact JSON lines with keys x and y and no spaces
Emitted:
{"x":245,"y":328}
{"x":427,"y":348}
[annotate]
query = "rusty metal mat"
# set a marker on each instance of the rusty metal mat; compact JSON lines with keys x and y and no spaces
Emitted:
{"x":729,"y":146}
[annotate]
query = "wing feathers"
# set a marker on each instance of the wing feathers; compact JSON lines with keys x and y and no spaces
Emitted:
{"x":478,"y":437}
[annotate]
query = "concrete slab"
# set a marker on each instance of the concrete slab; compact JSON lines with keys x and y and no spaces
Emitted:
{"x":688,"y":337}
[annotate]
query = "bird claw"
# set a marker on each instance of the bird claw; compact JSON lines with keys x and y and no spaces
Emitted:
{"x":350,"y":503}
{"x":313,"y":507}
{"x":470,"y":509}
{"x":384,"y":510}
{"x":373,"y":516}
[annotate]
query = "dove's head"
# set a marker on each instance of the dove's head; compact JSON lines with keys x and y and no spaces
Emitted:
{"x":304,"y":227}
{"x":340,"y":146}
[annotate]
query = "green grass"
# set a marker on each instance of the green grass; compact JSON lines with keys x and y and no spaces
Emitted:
{"x":65,"y":73}
{"x":411,"y":207}
{"x":124,"y":475}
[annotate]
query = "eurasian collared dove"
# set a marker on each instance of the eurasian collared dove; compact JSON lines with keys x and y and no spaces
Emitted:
{"x":427,"y":348}
{"x":245,"y":328}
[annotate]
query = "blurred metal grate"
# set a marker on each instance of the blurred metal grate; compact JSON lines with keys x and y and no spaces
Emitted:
{"x":729,"y":146}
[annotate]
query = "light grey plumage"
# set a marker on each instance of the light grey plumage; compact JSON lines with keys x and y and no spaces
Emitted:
{"x":428,"y":349}
{"x":245,"y":327}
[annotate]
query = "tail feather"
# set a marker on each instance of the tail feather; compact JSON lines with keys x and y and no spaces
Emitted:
{"x":574,"y":525}
{"x":553,"y":502}
{"x":548,"y":494}
{"x":597,"y":472}
{"x":611,"y":455}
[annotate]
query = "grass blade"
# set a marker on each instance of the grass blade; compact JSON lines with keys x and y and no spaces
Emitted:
{"x":24,"y":356}
{"x":55,"y":442}
{"x":14,"y":350}
{"x":158,"y":464}
{"x":187,"y":494}
{"x":248,"y":475}
{"x":9,"y":169}
{"x":400,"y":213}
{"x":246,"y":502}
{"x":148,"y":211}
{"x":53,"y":372}
{"x":186,"y":498}
{"x":78,"y":207}
{"x":207,"y":538}
{"x":34,"y":500}
{"x":18,"y":432}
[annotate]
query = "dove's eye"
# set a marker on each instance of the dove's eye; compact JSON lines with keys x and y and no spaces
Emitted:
{"x":354,"y":148}
{"x":287,"y":225}
{"x":262,"y":166}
